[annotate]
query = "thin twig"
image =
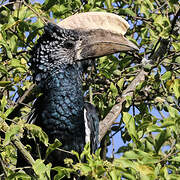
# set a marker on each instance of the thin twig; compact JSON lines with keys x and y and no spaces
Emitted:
{"x":21,"y":148}
{"x":35,"y":12}
{"x":20,"y":101}
{"x":9,"y":3}
{"x":19,"y":145}
{"x":3,"y":167}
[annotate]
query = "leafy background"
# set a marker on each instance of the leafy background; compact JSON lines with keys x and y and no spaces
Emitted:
{"x":144,"y":141}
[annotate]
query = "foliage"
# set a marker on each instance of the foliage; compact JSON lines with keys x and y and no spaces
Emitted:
{"x":149,"y":123}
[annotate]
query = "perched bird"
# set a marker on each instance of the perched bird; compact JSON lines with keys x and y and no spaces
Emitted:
{"x":57,"y":62}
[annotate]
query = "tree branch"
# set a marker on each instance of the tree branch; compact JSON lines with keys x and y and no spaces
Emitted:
{"x":108,"y":121}
{"x":19,"y":146}
{"x":3,"y":166}
{"x":27,"y":97}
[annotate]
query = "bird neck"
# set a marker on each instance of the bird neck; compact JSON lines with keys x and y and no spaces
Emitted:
{"x":63,"y":104}
{"x":64,"y":79}
{"x":60,"y":110}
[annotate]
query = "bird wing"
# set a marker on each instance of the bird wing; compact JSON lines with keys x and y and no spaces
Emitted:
{"x":36,"y":109}
{"x":91,"y":126}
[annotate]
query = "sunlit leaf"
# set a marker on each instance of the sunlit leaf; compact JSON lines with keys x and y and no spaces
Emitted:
{"x":130,"y":125}
{"x":163,"y":136}
{"x":12,"y":130}
{"x":114,"y":90}
{"x":176,"y":88}
{"x":38,"y":132}
{"x":173,"y":112}
{"x":4,"y":83}
{"x":52,"y":147}
{"x":120,"y":83}
{"x":3,"y":103}
{"x":19,"y":175}
{"x":41,"y":169}
{"x":167,"y":75}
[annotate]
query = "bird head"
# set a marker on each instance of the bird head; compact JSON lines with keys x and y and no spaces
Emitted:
{"x":79,"y":37}
{"x":100,"y":34}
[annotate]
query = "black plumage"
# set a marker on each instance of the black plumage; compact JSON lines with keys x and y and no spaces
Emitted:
{"x":60,"y":110}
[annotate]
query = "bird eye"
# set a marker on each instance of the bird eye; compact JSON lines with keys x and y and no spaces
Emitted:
{"x":69,"y":44}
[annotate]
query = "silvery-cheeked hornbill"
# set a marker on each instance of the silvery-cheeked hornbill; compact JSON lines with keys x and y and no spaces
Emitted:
{"x":57,"y":65}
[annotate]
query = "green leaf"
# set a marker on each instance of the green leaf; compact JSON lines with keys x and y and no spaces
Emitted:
{"x":38,"y":132}
{"x":113,"y":175}
{"x":15,"y":63}
{"x":62,"y":172}
{"x":53,"y":146}
{"x":7,"y":49}
{"x":13,"y":45}
{"x":3,"y":103}
{"x":113,"y":89}
{"x":85,"y":168}
{"x":21,"y":13}
{"x":12,"y":130}
{"x":48,"y":4}
{"x":167,"y":123}
{"x":117,"y":72}
{"x":127,"y":11}
{"x":123,"y":162}
{"x":128,"y":101}
{"x":42,"y":170}
{"x":38,"y":24}
{"x":176,"y":88}
{"x":144,"y":10}
{"x":178,"y":59}
{"x":167,"y":75}
{"x":176,"y":46}
{"x":130,"y":125}
{"x":131,"y":155}
{"x":10,"y":24}
{"x":76,"y":154}
{"x":140,"y":86}
{"x":19,"y":175}
{"x":9,"y":110}
{"x":161,"y":139}
{"x":153,"y":128}
{"x":149,"y":4}
{"x":175,"y":158}
{"x":129,"y":176}
{"x":158,"y":20}
{"x":86,"y":152}
{"x":146,"y":171}
{"x":172,"y":111}
{"x":109,"y":3}
{"x":120,"y":83}
{"x":174,"y":176}
{"x":144,"y":157}
{"x":3,"y":69}
{"x":4,"y":83}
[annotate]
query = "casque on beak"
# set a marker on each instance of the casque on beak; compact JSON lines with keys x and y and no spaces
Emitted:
{"x":101,"y":34}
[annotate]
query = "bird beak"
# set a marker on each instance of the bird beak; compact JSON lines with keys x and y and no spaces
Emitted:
{"x":97,"y":43}
{"x":101,"y":34}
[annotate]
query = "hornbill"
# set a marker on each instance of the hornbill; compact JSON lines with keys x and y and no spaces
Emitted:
{"x":57,"y":61}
